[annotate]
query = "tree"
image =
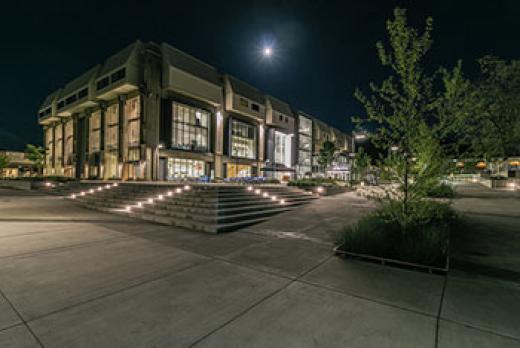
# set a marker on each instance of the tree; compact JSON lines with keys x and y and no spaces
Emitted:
{"x":35,"y":154}
{"x":4,"y":162}
{"x":401,"y":110}
{"x":326,"y":154}
{"x":361,"y":163}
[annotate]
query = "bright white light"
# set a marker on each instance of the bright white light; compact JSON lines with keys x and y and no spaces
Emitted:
{"x":250,"y":188}
{"x":265,"y":194}
{"x":179,"y":190}
{"x":73,"y":196}
{"x":160,"y":197}
{"x":257,"y":191}
{"x":107,"y":186}
{"x":187,"y":187}
{"x":268,"y":51}
{"x":150,"y":200}
{"x":128,"y":208}
{"x":282,"y":201}
{"x":170,"y":193}
{"x":91,"y":190}
{"x":99,"y":188}
{"x":115,"y":184}
{"x":139,"y":204}
{"x":273,"y":198}
{"x":48,"y":184}
{"x":82,"y":193}
{"x":319,"y":189}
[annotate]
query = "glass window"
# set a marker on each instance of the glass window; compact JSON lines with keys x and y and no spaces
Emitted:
{"x":243,"y":140}
{"x":305,"y":143}
{"x":185,"y":168}
{"x":190,"y":128}
{"x":305,"y":126}
{"x":133,"y":128}
{"x":49,"y":148}
{"x":244,"y":102}
{"x":238,"y":170}
{"x":282,"y":148}
{"x":112,"y":128}
{"x":255,"y":107}
{"x":94,"y":132}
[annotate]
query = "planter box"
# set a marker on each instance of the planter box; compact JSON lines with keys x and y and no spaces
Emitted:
{"x":392,"y":262}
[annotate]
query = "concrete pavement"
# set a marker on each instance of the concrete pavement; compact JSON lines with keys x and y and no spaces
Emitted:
{"x":71,"y":277}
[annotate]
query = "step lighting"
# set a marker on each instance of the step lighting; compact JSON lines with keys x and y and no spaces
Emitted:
{"x":128,"y":208}
{"x":273,"y":198}
{"x":319,"y":189}
{"x":73,"y":196}
{"x":265,"y":194}
{"x":257,"y":191}
{"x":250,"y":188}
{"x":82,"y":193}
{"x":107,"y":186}
{"x":179,"y":190}
{"x":150,"y":200}
{"x":115,"y":184}
{"x":99,"y":188}
{"x":282,"y":201}
{"x":187,"y":187}
{"x":139,"y":204}
{"x":48,"y":184}
{"x":91,"y":190}
{"x":170,"y":193}
{"x":160,"y":197}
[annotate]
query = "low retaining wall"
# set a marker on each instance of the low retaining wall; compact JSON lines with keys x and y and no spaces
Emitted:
{"x":16,"y":184}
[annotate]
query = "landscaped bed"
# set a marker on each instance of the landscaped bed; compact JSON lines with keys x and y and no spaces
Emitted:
{"x":422,"y":241}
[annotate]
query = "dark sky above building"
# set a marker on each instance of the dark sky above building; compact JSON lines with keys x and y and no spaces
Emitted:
{"x":323,"y":50}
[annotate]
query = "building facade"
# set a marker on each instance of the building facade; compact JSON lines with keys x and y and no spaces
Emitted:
{"x":153,"y":112}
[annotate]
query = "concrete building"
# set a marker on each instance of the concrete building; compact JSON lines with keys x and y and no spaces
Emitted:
{"x":153,"y":112}
{"x":19,"y":164}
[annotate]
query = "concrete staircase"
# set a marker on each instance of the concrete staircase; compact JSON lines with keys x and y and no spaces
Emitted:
{"x":210,"y":208}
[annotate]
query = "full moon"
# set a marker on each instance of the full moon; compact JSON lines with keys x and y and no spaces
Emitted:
{"x":268,"y":51}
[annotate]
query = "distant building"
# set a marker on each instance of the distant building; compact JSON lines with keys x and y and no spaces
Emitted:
{"x":153,"y":112}
{"x":18,"y":165}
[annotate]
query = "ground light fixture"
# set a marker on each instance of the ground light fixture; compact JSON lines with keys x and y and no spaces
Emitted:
{"x":179,"y":190}
{"x":82,"y":193}
{"x":73,"y":196}
{"x":273,"y":198}
{"x":115,"y":184}
{"x":128,"y":208}
{"x":319,"y":189}
{"x":265,"y":194}
{"x":257,"y":191}
{"x":139,"y":204}
{"x":150,"y":200}
{"x":250,"y":188}
{"x":187,"y":187}
{"x":282,"y":201}
{"x":91,"y":190}
{"x":160,"y":197}
{"x":100,"y":188}
{"x":169,"y":193}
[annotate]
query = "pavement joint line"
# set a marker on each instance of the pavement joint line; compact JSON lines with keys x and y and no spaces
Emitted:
{"x":351,"y":294}
{"x":441,"y":302}
{"x":482,"y":329}
{"x":23,"y":321}
{"x":118,"y":291}
{"x":62,"y":220}
{"x":262,"y":300}
{"x":65,"y":247}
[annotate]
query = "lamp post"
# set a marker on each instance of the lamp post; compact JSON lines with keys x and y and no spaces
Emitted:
{"x":361,"y":136}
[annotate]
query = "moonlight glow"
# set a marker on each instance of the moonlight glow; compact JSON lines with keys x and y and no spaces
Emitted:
{"x":267,"y":51}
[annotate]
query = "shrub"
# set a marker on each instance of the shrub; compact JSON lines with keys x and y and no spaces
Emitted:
{"x":310,"y":182}
{"x":421,"y":239}
{"x":441,"y":191}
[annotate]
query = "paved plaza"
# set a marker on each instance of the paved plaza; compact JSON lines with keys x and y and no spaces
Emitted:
{"x":72,"y":277}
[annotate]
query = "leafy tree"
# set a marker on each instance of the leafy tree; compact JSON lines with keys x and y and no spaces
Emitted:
{"x":4,"y":162}
{"x":401,"y":108}
{"x":361,"y":163}
{"x":326,"y":154}
{"x":35,"y":154}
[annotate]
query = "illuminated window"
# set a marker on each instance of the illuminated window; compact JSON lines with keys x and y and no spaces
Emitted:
{"x":190,"y":128}
{"x":185,"y":168}
{"x":58,"y":143}
{"x":112,"y":128}
{"x":305,"y":126}
{"x":94,"y":142}
{"x":282,"y":148}
{"x":243,"y":140}
{"x":133,"y":128}
{"x":238,"y":170}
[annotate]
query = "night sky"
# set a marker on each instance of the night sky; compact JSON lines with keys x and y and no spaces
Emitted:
{"x":323,"y":49}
